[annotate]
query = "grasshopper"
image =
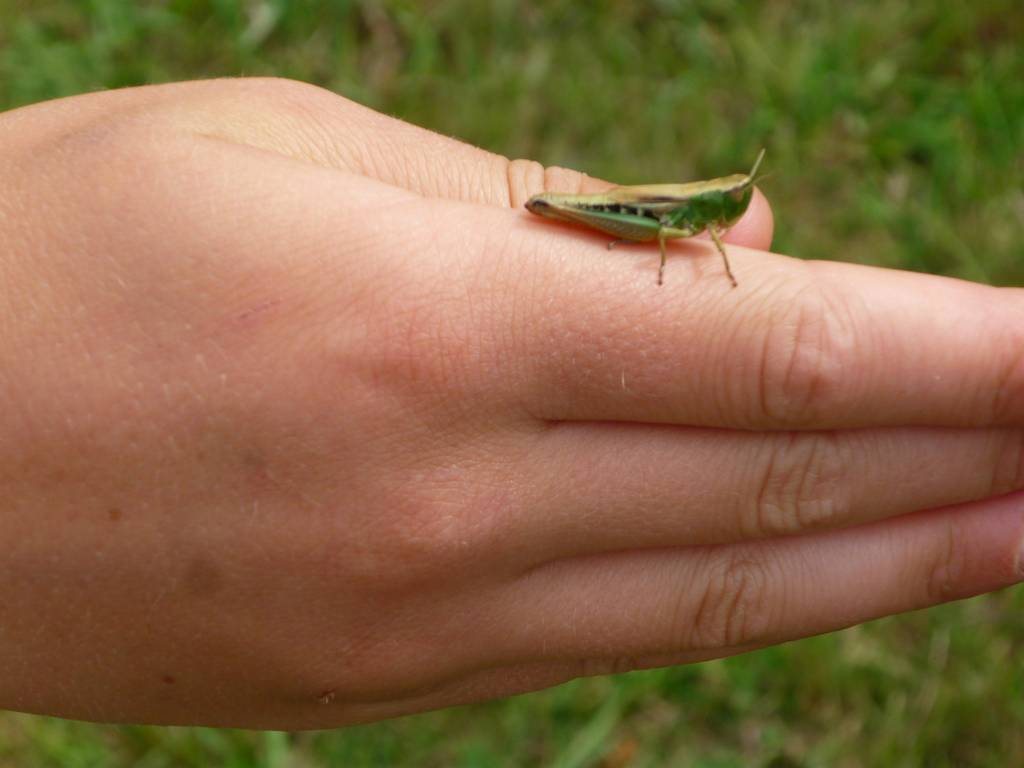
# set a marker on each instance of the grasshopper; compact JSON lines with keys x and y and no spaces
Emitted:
{"x":658,"y":211}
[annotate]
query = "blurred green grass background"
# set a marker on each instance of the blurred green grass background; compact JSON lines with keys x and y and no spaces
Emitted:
{"x":895,"y":136}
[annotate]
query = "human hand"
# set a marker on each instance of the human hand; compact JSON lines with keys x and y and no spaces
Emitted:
{"x":306,"y":422}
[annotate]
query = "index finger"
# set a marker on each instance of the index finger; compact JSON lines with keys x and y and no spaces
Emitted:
{"x":308,"y":123}
{"x":313,"y":124}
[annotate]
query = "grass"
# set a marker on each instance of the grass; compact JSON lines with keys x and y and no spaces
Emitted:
{"x":894,"y":133}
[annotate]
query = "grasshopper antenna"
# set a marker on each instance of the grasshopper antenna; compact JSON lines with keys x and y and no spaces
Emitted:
{"x":757,"y":164}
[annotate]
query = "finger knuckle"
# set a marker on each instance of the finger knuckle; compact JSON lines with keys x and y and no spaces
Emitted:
{"x":418,"y":539}
{"x":528,"y":177}
{"x":422,"y":354}
{"x":1008,"y":465}
{"x":733,"y":608}
{"x":279,"y":87}
{"x":433,"y":532}
{"x":802,"y":486}
{"x":599,"y":667}
{"x":1008,"y":392}
{"x":945,"y":566}
{"x":239,"y":96}
{"x":807,"y":356}
{"x":280,"y":104}
{"x":525,"y":178}
{"x":279,"y":115}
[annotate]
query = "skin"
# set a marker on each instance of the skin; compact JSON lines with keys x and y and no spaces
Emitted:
{"x":305,"y":422}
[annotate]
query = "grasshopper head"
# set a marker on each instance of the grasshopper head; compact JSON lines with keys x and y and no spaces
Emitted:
{"x":538,"y":204}
{"x":735,"y":203}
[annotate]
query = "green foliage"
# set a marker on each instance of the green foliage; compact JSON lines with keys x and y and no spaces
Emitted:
{"x":895,"y":136}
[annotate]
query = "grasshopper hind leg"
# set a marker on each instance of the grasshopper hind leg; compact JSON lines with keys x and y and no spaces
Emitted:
{"x":715,"y":235}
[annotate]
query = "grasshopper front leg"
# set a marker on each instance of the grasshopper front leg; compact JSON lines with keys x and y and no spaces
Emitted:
{"x":661,"y":245}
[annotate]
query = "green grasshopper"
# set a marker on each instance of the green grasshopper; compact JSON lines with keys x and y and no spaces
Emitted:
{"x":658,"y":211}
